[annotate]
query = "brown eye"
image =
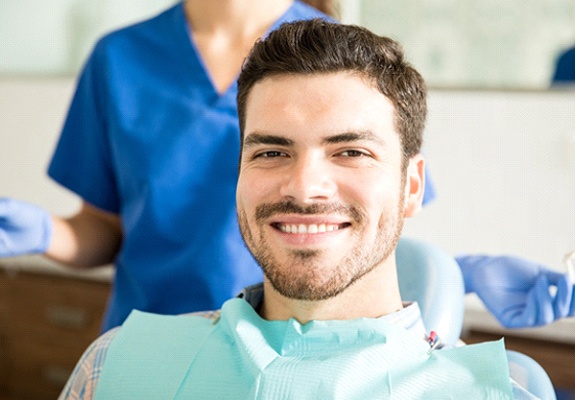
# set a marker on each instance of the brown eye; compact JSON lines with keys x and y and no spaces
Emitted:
{"x":352,"y":153}
{"x":272,"y":154}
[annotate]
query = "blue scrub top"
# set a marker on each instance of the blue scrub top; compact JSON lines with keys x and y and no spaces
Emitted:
{"x":149,"y":137}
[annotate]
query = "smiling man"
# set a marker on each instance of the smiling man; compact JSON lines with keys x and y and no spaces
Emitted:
{"x":331,"y":118}
{"x":322,"y":194}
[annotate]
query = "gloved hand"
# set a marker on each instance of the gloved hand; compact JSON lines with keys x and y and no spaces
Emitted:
{"x":516,"y":291}
{"x":24,"y":228}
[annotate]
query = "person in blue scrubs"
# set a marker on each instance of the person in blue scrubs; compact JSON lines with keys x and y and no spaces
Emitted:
{"x":565,"y":67}
{"x":151,"y":145}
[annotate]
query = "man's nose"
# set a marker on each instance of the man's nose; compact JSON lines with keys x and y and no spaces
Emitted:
{"x":310,"y":179}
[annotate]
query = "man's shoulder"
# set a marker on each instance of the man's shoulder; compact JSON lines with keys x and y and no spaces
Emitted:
{"x":82,"y":383}
{"x":86,"y":376}
{"x":145,"y":324}
{"x":101,"y":345}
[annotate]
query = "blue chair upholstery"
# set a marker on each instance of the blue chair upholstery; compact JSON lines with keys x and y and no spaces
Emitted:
{"x":528,"y":373}
{"x":432,"y":277}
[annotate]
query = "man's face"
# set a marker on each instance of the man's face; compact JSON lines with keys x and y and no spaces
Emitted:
{"x":320,"y":197}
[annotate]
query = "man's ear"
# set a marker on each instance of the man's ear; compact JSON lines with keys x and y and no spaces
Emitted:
{"x":414,"y":185}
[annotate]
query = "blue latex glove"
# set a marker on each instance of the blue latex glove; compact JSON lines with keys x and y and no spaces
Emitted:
{"x":24,"y":228}
{"x":516,"y":291}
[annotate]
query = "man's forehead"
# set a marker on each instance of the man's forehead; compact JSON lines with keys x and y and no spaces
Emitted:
{"x":343,"y":105}
{"x":303,"y":78}
{"x":336,"y":86}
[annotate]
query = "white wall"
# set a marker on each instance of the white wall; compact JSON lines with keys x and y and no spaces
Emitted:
{"x":32,"y":112}
{"x":55,"y":36}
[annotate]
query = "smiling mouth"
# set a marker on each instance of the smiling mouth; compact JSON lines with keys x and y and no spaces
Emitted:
{"x":309,"y":228}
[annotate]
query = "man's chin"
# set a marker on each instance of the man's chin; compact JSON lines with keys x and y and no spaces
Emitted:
{"x":307,"y":285}
{"x":311,"y":293}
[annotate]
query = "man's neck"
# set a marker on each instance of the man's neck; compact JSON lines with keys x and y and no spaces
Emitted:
{"x":372,"y":296}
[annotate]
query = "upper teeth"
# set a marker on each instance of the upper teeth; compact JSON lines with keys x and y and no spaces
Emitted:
{"x":313,"y":228}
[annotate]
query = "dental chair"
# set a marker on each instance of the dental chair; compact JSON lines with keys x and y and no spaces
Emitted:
{"x":432,"y":277}
{"x":529,"y":374}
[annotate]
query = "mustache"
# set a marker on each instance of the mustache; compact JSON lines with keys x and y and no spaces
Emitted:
{"x":267,"y":210}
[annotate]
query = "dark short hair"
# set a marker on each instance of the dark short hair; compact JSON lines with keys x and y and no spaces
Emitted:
{"x":317,"y":46}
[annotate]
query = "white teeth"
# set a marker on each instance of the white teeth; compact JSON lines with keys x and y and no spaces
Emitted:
{"x":308,"y":229}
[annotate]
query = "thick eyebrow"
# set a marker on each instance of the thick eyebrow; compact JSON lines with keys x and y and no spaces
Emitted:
{"x":353,"y":137}
{"x":255,"y":139}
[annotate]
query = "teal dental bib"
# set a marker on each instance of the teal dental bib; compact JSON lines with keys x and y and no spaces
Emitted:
{"x":242,"y":356}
